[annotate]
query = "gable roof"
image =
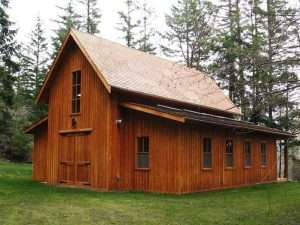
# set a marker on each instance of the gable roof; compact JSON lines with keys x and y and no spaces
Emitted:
{"x":128,"y":69}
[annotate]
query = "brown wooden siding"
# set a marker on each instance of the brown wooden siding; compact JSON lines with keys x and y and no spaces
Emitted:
{"x":176,"y":157}
{"x":39,"y":154}
{"x":95,"y":105}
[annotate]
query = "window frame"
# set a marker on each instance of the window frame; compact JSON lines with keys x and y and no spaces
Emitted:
{"x":137,"y":153}
{"x":76,"y":96}
{"x":266,"y":154}
{"x":225,"y":154}
{"x":203,"y":153}
{"x":251,"y":156}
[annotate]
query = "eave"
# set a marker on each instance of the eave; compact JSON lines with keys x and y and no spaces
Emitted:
{"x":37,"y":124}
{"x":187,"y":116}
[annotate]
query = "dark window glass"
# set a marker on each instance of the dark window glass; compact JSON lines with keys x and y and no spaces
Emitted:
{"x":229,"y":154}
{"x":247,"y":154}
{"x":207,"y":153}
{"x":143,"y":153}
{"x":76,"y":91}
{"x":263,"y":154}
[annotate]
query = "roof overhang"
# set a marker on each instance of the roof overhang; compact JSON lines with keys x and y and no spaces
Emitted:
{"x":187,"y":116}
{"x":153,"y":112}
{"x":36,"y":125}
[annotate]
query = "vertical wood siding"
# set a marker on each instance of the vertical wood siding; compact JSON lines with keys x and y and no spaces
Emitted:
{"x":39,"y":154}
{"x":95,"y":110}
{"x":176,"y":157}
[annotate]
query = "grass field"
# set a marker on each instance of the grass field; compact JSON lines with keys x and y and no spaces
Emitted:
{"x":23,"y":201}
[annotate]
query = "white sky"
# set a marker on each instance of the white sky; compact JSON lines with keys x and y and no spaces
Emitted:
{"x":24,"y":12}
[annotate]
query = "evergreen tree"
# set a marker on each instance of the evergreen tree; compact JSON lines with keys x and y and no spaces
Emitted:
{"x":92,"y":17}
{"x":278,"y":38}
{"x":8,"y":49}
{"x":34,"y":65}
{"x":128,"y":23}
{"x":66,"y":20}
{"x":147,"y":33}
{"x":190,"y":32}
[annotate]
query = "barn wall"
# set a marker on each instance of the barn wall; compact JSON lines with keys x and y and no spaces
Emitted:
{"x":176,"y":157}
{"x":163,"y":134}
{"x":39,"y":153}
{"x":95,"y":114}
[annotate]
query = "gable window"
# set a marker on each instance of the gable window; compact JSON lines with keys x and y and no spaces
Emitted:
{"x":229,"y":160}
{"x":247,"y":154}
{"x":263,"y":154}
{"x":76,"y":91}
{"x":207,"y":153}
{"x":142,"y":153}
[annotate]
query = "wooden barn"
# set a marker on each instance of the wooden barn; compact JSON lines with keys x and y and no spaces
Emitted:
{"x":121,"y":119}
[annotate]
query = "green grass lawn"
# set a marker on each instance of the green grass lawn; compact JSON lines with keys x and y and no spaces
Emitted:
{"x":23,"y":201}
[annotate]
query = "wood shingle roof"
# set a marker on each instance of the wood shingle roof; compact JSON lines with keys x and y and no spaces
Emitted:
{"x":135,"y":71}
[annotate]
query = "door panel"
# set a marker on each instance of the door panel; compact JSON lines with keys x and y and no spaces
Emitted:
{"x":83,"y":161}
{"x":67,"y":160}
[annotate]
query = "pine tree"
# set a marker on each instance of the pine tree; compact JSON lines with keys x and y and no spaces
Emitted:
{"x":8,"y":67}
{"x":91,"y":19}
{"x":66,"y":20}
{"x":278,"y":39}
{"x":128,"y":23}
{"x":146,"y":30}
{"x":189,"y":32}
{"x":34,"y":65}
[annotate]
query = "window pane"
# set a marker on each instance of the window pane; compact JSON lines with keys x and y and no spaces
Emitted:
{"x":247,"y":154}
{"x":76,"y":91}
{"x":263,"y":154}
{"x":207,"y":153}
{"x":78,"y":78}
{"x":74,"y":79}
{"x":229,"y":154}
{"x":73,"y":106}
{"x":207,"y":160}
{"x":143,"y":161}
{"x":77,"y":109}
{"x":73,"y":92}
{"x":143,"y":152}
{"x":229,"y":146}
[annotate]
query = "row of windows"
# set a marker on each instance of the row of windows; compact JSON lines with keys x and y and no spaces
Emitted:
{"x":143,"y":153}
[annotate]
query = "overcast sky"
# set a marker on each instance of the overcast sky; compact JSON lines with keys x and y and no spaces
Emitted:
{"x":23,"y":13}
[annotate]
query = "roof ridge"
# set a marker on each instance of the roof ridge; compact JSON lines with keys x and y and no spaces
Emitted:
{"x":144,"y":53}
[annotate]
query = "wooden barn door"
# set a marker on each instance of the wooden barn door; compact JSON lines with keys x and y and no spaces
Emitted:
{"x":82,"y":161}
{"x":74,"y":161}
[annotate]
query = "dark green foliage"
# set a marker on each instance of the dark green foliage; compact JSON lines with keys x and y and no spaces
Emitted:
{"x":255,"y":50}
{"x":190,"y":32}
{"x":8,"y":67}
{"x":92,"y":17}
